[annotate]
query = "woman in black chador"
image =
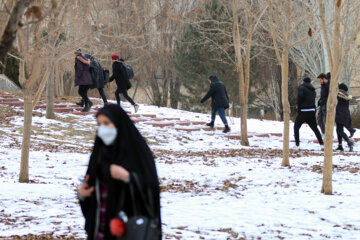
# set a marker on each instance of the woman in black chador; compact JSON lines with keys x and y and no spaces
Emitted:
{"x":343,"y":117}
{"x":119,"y":153}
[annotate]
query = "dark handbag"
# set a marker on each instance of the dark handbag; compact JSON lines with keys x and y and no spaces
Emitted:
{"x":138,"y":226}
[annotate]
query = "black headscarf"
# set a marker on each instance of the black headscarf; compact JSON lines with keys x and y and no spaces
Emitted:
{"x":130,"y":151}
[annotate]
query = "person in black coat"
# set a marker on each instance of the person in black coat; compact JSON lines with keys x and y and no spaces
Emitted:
{"x":119,"y":152}
{"x":97,"y":74}
{"x":122,"y":80}
{"x":306,"y":110}
{"x":83,"y":79}
{"x":219,"y":101}
{"x":343,"y":117}
{"x":324,"y":93}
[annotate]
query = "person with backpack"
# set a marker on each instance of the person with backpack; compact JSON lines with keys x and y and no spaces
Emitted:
{"x":98,"y":78}
{"x":122,"y":79}
{"x":219,"y":101}
{"x":83,"y":79}
{"x":343,"y":117}
{"x":120,"y":160}
{"x":306,"y":110}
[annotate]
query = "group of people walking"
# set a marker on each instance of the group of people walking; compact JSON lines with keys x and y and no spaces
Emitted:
{"x":307,"y":109}
{"x":89,"y":74}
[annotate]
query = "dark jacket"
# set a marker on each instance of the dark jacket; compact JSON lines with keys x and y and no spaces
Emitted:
{"x":132,"y":153}
{"x":324,"y":93}
{"x":306,"y":96}
{"x":120,"y":76}
{"x":97,"y":74}
{"x":82,"y":73}
{"x":218,"y":94}
{"x":343,"y":116}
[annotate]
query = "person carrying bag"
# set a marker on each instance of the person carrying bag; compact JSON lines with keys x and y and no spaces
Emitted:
{"x":142,"y":225}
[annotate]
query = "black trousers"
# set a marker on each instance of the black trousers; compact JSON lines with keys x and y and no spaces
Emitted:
{"x":125,"y":94}
{"x":102,"y":94}
{"x":322,"y":118}
{"x":310,"y":119}
{"x":83,"y":89}
{"x":341,"y":134}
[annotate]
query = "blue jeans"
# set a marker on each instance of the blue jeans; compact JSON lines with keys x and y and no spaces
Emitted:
{"x":221,"y":112}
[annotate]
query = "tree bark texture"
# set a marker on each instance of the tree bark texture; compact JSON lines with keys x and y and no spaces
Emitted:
{"x":50,"y":94}
{"x":25,"y":146}
{"x":10,"y":31}
{"x":286,"y":105}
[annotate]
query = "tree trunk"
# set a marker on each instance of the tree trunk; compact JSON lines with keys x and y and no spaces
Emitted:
{"x":175,"y":85}
{"x":25,"y":146}
{"x":165,"y":78}
{"x":286,"y":105}
{"x":50,"y":94}
{"x":9,"y":34}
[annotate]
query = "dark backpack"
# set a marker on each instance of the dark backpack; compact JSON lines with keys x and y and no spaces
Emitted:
{"x":129,"y":71}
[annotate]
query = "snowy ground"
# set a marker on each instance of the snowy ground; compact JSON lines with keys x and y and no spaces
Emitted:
{"x":212,"y":187}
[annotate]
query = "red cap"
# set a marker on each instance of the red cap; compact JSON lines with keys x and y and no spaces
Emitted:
{"x":114,"y":57}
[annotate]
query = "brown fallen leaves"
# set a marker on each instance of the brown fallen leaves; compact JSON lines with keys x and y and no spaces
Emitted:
{"x":49,"y":236}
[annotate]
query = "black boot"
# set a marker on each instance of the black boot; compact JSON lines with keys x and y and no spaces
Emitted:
{"x":340,"y":148}
{"x":227,"y":129}
{"x":87,"y":107}
{"x":210,"y":124}
{"x":352,"y":131}
{"x":351,"y":146}
{"x":81,"y":103}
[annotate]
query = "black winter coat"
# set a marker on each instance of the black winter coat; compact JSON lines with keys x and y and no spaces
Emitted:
{"x":82,"y":73}
{"x":132,"y":153}
{"x":97,"y":74}
{"x":218,"y":94}
{"x":306,"y":96}
{"x":120,"y":76}
{"x":343,"y":116}
{"x":324,"y":93}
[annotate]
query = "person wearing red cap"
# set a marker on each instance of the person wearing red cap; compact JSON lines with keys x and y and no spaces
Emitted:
{"x":122,"y":80}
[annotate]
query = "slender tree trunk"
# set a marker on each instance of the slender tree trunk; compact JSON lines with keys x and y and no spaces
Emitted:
{"x":50,"y":94}
{"x":166,"y":76}
{"x":286,"y":105}
{"x":9,"y":34}
{"x":25,"y":146}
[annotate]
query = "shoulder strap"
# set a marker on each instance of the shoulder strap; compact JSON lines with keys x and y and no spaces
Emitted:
{"x":137,"y":184}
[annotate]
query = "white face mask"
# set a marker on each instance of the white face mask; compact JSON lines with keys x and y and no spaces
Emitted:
{"x":107,"y":134}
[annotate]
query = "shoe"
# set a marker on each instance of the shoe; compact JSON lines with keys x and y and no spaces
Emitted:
{"x":227,"y":129}
{"x":210,"y":124}
{"x":136,"y":107}
{"x":90,"y":104}
{"x":297,"y":144}
{"x":351,"y":146}
{"x":352,"y":132}
{"x":81,"y":103}
{"x":87,"y":107}
{"x":340,"y":148}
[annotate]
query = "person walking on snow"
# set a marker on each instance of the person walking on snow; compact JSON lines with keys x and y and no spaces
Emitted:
{"x":324,"y":93}
{"x":97,"y":75}
{"x":343,"y":117}
{"x":83,"y":79}
{"x":122,"y":80}
{"x":306,"y":110}
{"x":219,"y":101}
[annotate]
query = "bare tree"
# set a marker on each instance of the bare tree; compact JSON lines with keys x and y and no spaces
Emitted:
{"x":341,"y":42}
{"x":284,"y":17}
